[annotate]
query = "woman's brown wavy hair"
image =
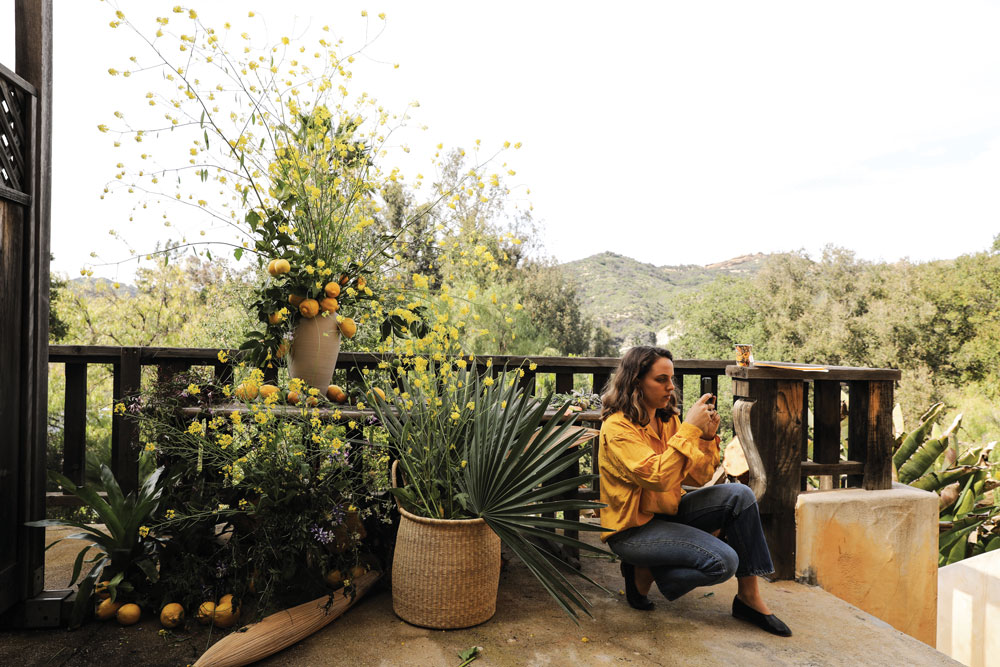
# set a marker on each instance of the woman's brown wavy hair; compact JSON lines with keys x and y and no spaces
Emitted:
{"x":624,"y":393}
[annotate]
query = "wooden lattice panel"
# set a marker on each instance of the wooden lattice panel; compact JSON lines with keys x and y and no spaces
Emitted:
{"x":12,"y":137}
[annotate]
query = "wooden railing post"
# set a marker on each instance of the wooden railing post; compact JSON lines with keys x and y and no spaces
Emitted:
{"x":125,"y":430}
{"x":75,"y":423}
{"x":826,"y":424}
{"x":777,"y":427}
{"x":870,"y":433}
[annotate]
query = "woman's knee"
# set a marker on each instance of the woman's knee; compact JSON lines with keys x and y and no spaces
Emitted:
{"x":742,"y":496}
{"x":727,"y":562}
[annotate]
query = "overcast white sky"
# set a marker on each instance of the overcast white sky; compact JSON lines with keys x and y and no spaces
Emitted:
{"x":670,"y":132}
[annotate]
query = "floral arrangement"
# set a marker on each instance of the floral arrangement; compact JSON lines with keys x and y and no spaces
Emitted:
{"x":266,"y":146}
{"x":268,"y":500}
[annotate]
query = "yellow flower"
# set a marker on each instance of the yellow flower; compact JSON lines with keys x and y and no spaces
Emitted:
{"x":465,"y":463}
{"x":143,"y":531}
{"x":193,"y":389}
{"x":532,"y":366}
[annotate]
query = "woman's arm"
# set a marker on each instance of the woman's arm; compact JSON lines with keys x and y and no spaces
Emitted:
{"x":636,"y":460}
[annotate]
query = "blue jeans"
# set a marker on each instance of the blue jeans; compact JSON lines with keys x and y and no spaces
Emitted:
{"x":681,"y":551}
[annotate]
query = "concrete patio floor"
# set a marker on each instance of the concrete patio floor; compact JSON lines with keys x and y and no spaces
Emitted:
{"x":528,"y":629}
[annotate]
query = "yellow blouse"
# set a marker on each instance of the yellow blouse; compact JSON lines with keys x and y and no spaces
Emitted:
{"x":642,"y":470}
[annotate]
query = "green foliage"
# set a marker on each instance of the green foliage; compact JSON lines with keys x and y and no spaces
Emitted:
{"x":124,"y":551}
{"x":475,"y":447}
{"x":290,"y":494}
{"x":932,"y":462}
{"x":634,"y":301}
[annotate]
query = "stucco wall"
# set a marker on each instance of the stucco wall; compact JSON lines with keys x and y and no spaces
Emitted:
{"x":969,"y":610}
{"x":874,"y":549}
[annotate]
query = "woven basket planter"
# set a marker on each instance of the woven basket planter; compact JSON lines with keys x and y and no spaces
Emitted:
{"x":445,"y":573}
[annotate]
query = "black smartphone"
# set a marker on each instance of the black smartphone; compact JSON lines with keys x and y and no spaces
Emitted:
{"x":706,"y":388}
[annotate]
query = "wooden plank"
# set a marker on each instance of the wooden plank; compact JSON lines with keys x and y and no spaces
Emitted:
{"x":826,"y":421}
{"x":12,"y":403}
{"x":75,"y":423}
{"x":600,"y":382}
{"x":838,"y":373}
{"x":857,"y":426}
{"x":564,"y":383}
{"x":14,"y":196}
{"x":811,"y":469}
{"x":33,"y":62}
{"x":124,"y":430}
{"x":878,"y":464}
{"x":223,"y":373}
{"x":19,"y":81}
{"x":776,"y":422}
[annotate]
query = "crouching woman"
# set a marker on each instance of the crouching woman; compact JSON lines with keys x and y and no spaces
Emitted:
{"x":680,"y":540}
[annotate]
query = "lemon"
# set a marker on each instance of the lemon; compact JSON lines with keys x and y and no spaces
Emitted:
{"x":309,"y":308}
{"x":332,"y":290}
{"x":101,"y":590}
{"x":246,"y":391}
{"x":225,"y":615}
{"x":172,"y":615}
{"x":205,"y":612}
{"x":128,"y":614}
{"x":107,"y":609}
{"x":267,"y":390}
{"x":336,"y":394}
{"x":348,"y":327}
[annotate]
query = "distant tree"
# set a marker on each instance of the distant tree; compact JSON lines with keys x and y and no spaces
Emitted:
{"x":58,"y":329}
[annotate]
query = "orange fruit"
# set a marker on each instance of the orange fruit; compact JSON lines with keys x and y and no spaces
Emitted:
{"x":295,"y":299}
{"x":344,"y":278}
{"x":107,"y":609}
{"x":270,"y":267}
{"x":101,"y":590}
{"x":348,"y":327}
{"x":362,"y":282}
{"x":268,"y":390}
{"x":358,"y":570}
{"x":275,"y":318}
{"x":172,"y":615}
{"x":205,"y":612}
{"x":128,"y":614}
{"x":225,"y":614}
{"x":279,"y":267}
{"x":282,"y":350}
{"x":246,"y":391}
{"x":334,"y":578}
{"x":293,"y":398}
{"x":378,"y":390}
{"x":312,"y":401}
{"x":336,"y":394}
{"x":329,"y":304}
{"x":332,"y":290}
{"x":309,"y":308}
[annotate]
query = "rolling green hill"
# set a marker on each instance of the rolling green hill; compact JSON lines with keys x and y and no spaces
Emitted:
{"x":635,"y":300}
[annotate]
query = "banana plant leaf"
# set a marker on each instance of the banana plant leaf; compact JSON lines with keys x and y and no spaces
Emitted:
{"x":923,"y":457}
{"x":917,"y":436}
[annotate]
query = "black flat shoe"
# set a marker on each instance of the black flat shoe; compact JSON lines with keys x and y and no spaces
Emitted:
{"x":635,"y":600}
{"x":768,"y":622}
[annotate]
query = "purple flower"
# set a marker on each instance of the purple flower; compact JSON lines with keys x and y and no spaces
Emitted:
{"x":321,"y":535}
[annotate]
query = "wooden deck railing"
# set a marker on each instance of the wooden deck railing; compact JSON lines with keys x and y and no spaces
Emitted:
{"x":772,"y":404}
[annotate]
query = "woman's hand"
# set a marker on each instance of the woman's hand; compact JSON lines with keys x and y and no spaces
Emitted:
{"x":703,"y":415}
